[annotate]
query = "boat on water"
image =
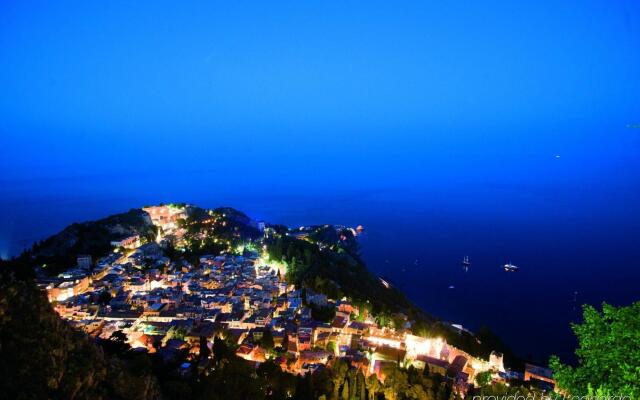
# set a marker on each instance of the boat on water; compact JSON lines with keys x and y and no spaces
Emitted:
{"x":508,"y":267}
{"x":466,"y":263}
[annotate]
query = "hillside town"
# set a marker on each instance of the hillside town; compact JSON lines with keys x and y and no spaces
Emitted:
{"x":172,"y":306}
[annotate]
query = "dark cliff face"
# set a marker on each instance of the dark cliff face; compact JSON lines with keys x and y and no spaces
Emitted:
{"x":246,"y":227}
{"x":236,"y":223}
{"x":87,"y":236}
{"x":94,"y":238}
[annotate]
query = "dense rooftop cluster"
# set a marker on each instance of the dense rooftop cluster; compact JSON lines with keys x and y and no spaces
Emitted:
{"x":150,"y":295}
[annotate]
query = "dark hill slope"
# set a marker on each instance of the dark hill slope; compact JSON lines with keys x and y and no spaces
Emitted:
{"x":42,"y":357}
{"x":320,"y":263}
{"x":93,"y":237}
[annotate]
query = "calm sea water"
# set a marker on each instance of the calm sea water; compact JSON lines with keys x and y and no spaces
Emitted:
{"x":573,"y":245}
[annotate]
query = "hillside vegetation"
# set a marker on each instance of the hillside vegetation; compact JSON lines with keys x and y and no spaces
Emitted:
{"x":327,"y":261}
{"x":59,"y":251}
{"x":43,"y":357}
{"x":338,"y":272}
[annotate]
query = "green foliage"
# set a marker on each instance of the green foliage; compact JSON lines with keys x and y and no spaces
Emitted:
{"x":203,"y":352}
{"x":373,"y":386}
{"x":608,"y":353}
{"x":70,"y":366}
{"x":325,"y":234}
{"x":324,"y":314}
{"x":222,"y":352}
{"x":104,"y":297}
{"x":214,"y":231}
{"x":116,"y":344}
{"x":59,"y":251}
{"x":396,"y":382}
{"x":483,"y":378}
{"x":43,"y":357}
{"x":338,"y":274}
{"x":332,"y":347}
{"x":276,"y":382}
{"x":267,"y":340}
{"x":232,"y":380}
{"x":345,"y":390}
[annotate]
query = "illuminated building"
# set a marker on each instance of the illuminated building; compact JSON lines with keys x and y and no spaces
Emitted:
{"x":166,"y":217}
{"x":130,"y":242}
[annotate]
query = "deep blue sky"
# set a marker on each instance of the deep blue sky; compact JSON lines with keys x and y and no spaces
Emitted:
{"x":374,"y":90}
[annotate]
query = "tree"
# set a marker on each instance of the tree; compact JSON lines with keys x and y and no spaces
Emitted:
{"x":322,"y":382}
{"x":204,"y":348}
{"x":267,"y":340}
{"x":233,"y":380}
{"x":416,"y":392}
{"x":608,"y":353}
{"x":304,"y":387}
{"x":277,"y":382}
{"x":345,"y":390}
{"x":360,"y":391}
{"x":221,"y":351}
{"x":339,"y":374}
{"x":483,"y":378}
{"x":395,"y":383}
{"x":116,"y":344}
{"x":45,"y":358}
{"x":331,"y":347}
{"x":285,"y":342}
{"x":105,"y":297}
{"x":373,"y":386}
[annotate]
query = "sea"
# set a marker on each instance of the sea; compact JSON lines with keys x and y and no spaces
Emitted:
{"x":573,"y":245}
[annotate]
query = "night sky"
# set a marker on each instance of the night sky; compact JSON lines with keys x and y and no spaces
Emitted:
{"x":469,"y":124}
{"x":368,"y":90}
